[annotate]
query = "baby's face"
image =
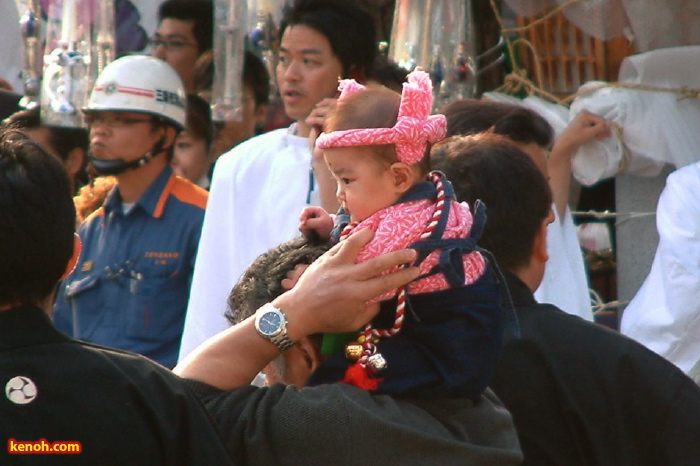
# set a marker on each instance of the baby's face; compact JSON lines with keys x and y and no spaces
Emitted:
{"x":365,"y":185}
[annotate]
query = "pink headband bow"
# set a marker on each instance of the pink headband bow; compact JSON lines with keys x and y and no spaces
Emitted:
{"x":414,"y":128}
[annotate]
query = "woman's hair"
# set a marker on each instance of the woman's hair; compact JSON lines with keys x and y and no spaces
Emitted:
{"x":518,"y":123}
{"x":375,"y":107}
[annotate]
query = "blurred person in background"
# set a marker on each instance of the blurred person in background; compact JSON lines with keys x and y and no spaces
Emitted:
{"x":68,"y":144}
{"x":185,"y":32}
{"x":256,"y":98}
{"x":191,"y":155}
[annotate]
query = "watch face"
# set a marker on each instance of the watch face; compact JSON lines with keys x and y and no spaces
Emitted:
{"x":270,"y":323}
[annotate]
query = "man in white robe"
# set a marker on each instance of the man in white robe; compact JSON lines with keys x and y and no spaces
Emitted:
{"x":260,"y":187}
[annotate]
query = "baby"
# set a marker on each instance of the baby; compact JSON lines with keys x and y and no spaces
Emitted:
{"x":376,"y":144}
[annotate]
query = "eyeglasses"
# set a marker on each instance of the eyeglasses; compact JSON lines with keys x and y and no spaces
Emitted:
{"x":113,"y":121}
{"x":170,"y":44}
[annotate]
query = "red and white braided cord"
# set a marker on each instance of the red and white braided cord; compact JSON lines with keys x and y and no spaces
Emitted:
{"x":370,"y":333}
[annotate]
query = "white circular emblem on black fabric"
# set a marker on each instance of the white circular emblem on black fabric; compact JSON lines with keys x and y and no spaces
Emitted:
{"x":21,"y":390}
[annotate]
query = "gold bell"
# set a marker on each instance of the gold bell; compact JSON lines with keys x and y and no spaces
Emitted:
{"x":353,"y":351}
{"x":376,"y":362}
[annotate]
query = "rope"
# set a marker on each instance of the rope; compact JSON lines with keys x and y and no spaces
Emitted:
{"x":598,"y":305}
{"x":621,"y":217}
{"x":370,"y":335}
{"x":544,"y":18}
{"x":533,"y":50}
{"x":683,"y":92}
{"x":518,"y":81}
{"x":347,"y":230}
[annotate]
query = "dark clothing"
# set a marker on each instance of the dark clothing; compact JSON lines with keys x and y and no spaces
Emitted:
{"x":448,"y":346}
{"x":9,"y":103}
{"x":339,"y":424}
{"x":581,"y":394}
{"x":122,"y":408}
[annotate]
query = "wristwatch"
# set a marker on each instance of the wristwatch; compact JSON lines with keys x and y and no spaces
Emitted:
{"x":271,"y":324}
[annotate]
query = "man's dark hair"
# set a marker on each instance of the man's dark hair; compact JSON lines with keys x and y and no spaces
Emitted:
{"x":199,"y":119}
{"x":200,"y":12}
{"x":256,"y":76}
{"x":517,"y":196}
{"x":63,"y":139}
{"x":388,"y":73}
{"x":262,"y":280}
{"x":518,"y":123}
{"x":348,"y":27}
{"x":37,"y":219}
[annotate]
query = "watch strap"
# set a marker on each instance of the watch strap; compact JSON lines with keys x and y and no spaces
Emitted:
{"x":282,"y":341}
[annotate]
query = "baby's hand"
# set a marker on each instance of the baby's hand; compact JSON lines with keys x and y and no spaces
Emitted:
{"x":317,"y":117}
{"x":316,"y":120}
{"x":315,"y":219}
{"x":293,"y":276}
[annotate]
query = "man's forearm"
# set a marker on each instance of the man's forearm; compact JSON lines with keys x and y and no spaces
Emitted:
{"x":329,"y":297}
{"x":230,"y":359}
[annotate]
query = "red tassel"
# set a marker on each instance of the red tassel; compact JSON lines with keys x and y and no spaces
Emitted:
{"x":357,"y":375}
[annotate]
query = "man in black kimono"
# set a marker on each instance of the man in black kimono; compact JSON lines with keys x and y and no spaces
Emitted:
{"x":579,"y":393}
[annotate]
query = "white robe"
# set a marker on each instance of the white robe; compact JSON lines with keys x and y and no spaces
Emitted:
{"x":258,"y":191}
{"x":565,"y":283}
{"x":664,"y":315}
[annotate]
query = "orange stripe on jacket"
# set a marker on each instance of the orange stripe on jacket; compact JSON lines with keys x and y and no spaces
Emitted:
{"x":184,"y":191}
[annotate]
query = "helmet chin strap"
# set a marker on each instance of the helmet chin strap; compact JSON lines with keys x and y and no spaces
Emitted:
{"x":119,"y":166}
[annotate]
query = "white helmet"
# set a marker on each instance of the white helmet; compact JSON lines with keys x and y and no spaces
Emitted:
{"x":139,"y":83}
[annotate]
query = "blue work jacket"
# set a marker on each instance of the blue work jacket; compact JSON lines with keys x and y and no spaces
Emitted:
{"x":131,"y":285}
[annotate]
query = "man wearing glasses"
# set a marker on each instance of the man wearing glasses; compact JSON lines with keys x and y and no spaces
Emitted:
{"x":185,"y":31}
{"x":131,"y":286}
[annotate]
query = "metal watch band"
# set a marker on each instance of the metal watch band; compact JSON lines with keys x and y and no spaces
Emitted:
{"x":282,"y":341}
